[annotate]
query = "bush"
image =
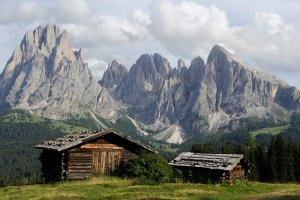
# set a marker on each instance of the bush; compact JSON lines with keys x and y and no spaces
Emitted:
{"x":177,"y":176}
{"x":149,"y":168}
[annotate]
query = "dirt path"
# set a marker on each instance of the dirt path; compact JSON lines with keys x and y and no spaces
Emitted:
{"x":287,"y":194}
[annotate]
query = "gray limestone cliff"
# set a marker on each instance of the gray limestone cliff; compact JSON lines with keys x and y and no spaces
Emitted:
{"x":184,"y":101}
{"x":113,"y":76}
{"x":141,"y":88}
{"x":45,"y":75}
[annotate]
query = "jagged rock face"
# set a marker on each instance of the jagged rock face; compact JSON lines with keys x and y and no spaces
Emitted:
{"x":240,"y":88}
{"x":44,"y":74}
{"x":202,"y":96}
{"x":142,"y":86}
{"x":113,"y":76}
{"x":288,"y":97}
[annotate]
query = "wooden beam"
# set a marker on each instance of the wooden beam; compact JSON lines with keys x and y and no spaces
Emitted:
{"x":100,"y":146}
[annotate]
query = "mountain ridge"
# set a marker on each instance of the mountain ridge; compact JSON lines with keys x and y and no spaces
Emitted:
{"x":203,"y":96}
{"x":47,"y":77}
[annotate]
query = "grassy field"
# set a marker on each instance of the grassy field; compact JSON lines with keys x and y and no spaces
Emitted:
{"x":115,"y":188}
{"x":66,"y":128}
{"x":269,"y":130}
{"x":21,"y":116}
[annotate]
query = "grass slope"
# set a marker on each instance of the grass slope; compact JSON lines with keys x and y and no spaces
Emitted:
{"x":66,"y":128}
{"x":269,"y":130}
{"x":115,"y":188}
{"x":18,"y":116}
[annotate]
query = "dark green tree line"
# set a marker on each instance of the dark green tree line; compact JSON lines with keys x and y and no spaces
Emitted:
{"x":277,"y":163}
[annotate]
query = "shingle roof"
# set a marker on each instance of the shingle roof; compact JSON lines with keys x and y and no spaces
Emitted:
{"x":210,"y":161}
{"x":77,"y":138}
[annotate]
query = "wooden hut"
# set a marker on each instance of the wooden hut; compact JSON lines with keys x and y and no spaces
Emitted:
{"x":83,"y":154}
{"x":200,"y":167}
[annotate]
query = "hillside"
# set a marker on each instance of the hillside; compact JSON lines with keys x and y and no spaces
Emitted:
{"x":113,"y":188}
{"x":20,"y":131}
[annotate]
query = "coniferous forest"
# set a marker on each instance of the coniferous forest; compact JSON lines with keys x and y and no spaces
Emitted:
{"x":278,"y":162}
{"x":19,"y":160}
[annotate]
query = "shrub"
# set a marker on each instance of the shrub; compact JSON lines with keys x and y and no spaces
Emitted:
{"x":149,"y":168}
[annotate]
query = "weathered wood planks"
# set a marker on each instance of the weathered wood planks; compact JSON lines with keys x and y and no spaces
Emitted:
{"x":81,"y":155}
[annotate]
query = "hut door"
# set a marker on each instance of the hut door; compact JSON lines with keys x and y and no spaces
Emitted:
{"x":106,"y":161}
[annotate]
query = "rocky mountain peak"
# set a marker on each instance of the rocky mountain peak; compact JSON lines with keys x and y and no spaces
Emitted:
{"x":116,"y":66}
{"x":44,"y":74}
{"x":63,"y":49}
{"x":79,"y":55}
{"x":161,"y":64}
{"x":196,"y":70}
{"x":43,"y":38}
{"x":202,"y":97}
{"x":153,"y":65}
{"x":113,"y":76}
{"x":218,"y":53}
{"x":180,"y":63}
{"x":197,"y":61}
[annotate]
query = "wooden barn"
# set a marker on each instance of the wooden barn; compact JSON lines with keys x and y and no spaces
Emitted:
{"x":200,"y":167}
{"x":83,"y":154}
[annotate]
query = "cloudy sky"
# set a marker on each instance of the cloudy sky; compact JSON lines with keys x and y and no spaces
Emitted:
{"x":265,"y":34}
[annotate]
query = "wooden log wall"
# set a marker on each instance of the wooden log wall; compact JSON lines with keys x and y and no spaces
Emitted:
{"x":237,"y":172}
{"x":106,"y":162}
{"x":203,"y":174}
{"x":97,"y":157}
{"x":79,"y":164}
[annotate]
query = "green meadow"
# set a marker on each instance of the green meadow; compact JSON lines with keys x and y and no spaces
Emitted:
{"x":117,"y":188}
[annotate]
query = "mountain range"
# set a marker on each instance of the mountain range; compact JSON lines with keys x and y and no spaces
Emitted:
{"x":47,"y":77}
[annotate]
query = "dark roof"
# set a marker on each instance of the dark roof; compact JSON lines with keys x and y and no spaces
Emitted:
{"x":210,"y":161}
{"x":77,"y":138}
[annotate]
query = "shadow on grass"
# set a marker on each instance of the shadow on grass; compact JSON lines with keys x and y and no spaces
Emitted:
{"x":154,"y":198}
{"x":283,"y":197}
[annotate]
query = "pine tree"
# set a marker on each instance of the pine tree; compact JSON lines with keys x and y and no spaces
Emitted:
{"x":272,"y":162}
{"x":290,"y":161}
{"x":250,"y":154}
{"x":297,"y":162}
{"x":281,"y":155}
{"x":197,"y":148}
{"x":261,"y":162}
{"x":207,"y":148}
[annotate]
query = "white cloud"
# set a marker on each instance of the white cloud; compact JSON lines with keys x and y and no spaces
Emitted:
{"x":266,"y":34}
{"x":110,"y":37}
{"x":116,"y":29}
{"x":21,"y":12}
{"x":59,"y":11}
{"x":107,"y":30}
{"x":70,"y":11}
{"x":188,"y":29}
{"x":269,"y":42}
{"x":141,"y":17}
{"x":97,"y":66}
